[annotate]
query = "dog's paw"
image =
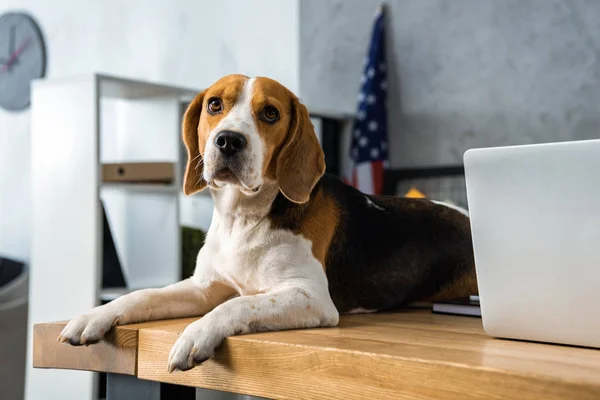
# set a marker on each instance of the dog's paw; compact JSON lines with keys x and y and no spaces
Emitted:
{"x":196,"y":344}
{"x":88,"y":328}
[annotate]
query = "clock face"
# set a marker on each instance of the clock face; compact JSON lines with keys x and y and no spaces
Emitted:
{"x":22,"y":59}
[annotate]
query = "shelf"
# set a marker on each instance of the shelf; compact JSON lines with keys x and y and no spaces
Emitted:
{"x":150,"y":188}
{"x":331,"y":114}
{"x":122,"y":88}
{"x":117,"y":87}
{"x":142,"y":187}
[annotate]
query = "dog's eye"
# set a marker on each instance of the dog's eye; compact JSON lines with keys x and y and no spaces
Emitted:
{"x":214,"y":106}
{"x":270,"y":114}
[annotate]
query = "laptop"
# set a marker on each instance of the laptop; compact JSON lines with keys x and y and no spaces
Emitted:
{"x":535,"y":220}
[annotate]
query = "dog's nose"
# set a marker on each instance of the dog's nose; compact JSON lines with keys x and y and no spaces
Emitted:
{"x":230,"y":142}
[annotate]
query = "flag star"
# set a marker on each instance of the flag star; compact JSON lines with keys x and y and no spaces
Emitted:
{"x":374,"y":152}
{"x":362,"y":114}
{"x":373,"y":126}
{"x":384,"y":85}
{"x":363,"y":141}
{"x":363,"y":79}
{"x":371,"y":72}
{"x":371,"y":99}
{"x":361,"y":97}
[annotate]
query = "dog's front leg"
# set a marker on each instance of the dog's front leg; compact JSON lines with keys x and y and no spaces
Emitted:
{"x":286,"y":308}
{"x":182,"y":299}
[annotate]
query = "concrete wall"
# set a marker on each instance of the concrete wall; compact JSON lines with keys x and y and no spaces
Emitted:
{"x":188,"y":43}
{"x":462,"y":73}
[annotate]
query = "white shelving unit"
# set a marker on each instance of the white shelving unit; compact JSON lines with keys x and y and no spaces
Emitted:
{"x":78,"y":124}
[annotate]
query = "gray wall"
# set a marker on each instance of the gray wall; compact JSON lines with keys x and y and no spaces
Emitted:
{"x":465,"y":73}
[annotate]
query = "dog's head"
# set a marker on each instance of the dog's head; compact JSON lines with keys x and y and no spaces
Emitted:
{"x":243,"y":132}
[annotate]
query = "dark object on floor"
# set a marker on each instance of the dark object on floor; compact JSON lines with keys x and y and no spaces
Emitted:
{"x":129,"y":387}
{"x":9,"y":270}
{"x":112,"y":273}
{"x":192,"y":241}
{"x":14,"y":284}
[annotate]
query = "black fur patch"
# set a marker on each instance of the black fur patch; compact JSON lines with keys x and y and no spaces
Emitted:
{"x":387,"y":251}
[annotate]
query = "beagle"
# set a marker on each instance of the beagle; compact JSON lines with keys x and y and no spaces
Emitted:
{"x":288,"y":246}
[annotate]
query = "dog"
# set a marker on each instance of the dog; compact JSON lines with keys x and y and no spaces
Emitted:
{"x":289,"y":246}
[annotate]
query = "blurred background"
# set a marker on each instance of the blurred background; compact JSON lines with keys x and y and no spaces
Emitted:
{"x":458,"y":75}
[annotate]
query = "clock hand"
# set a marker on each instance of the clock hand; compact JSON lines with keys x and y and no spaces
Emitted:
{"x":15,"y":55}
{"x":11,"y":40}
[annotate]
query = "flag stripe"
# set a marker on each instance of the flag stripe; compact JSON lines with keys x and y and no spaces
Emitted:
{"x":378,"y":171}
{"x":364,"y":174}
{"x":369,"y":144}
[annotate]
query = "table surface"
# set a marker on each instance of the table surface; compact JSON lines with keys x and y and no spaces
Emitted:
{"x":408,"y":354}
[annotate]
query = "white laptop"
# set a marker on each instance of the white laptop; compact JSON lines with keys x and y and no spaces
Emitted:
{"x":535,"y":219}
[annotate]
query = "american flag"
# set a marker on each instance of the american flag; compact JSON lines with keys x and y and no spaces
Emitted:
{"x":369,"y":146}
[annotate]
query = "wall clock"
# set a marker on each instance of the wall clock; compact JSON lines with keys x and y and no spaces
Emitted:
{"x":22,"y":59}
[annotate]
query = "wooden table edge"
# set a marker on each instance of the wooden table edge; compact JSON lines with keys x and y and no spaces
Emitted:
{"x":124,"y":352}
{"x":207,"y":375}
{"x":117,"y":353}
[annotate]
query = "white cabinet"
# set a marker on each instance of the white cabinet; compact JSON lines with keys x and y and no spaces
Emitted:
{"x":78,"y":124}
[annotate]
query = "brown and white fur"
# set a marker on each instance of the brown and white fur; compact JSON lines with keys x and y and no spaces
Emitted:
{"x":288,"y":246}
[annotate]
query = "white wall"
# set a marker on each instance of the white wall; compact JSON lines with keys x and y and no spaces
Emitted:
{"x":182,"y":42}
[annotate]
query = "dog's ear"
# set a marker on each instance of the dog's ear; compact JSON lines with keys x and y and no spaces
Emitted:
{"x":301,"y":162}
{"x":193,"y":181}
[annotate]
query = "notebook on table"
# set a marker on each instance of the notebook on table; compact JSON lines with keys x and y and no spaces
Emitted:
{"x":466,"y":307}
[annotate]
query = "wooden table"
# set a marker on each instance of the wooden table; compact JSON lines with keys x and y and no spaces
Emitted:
{"x":412,"y":354}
